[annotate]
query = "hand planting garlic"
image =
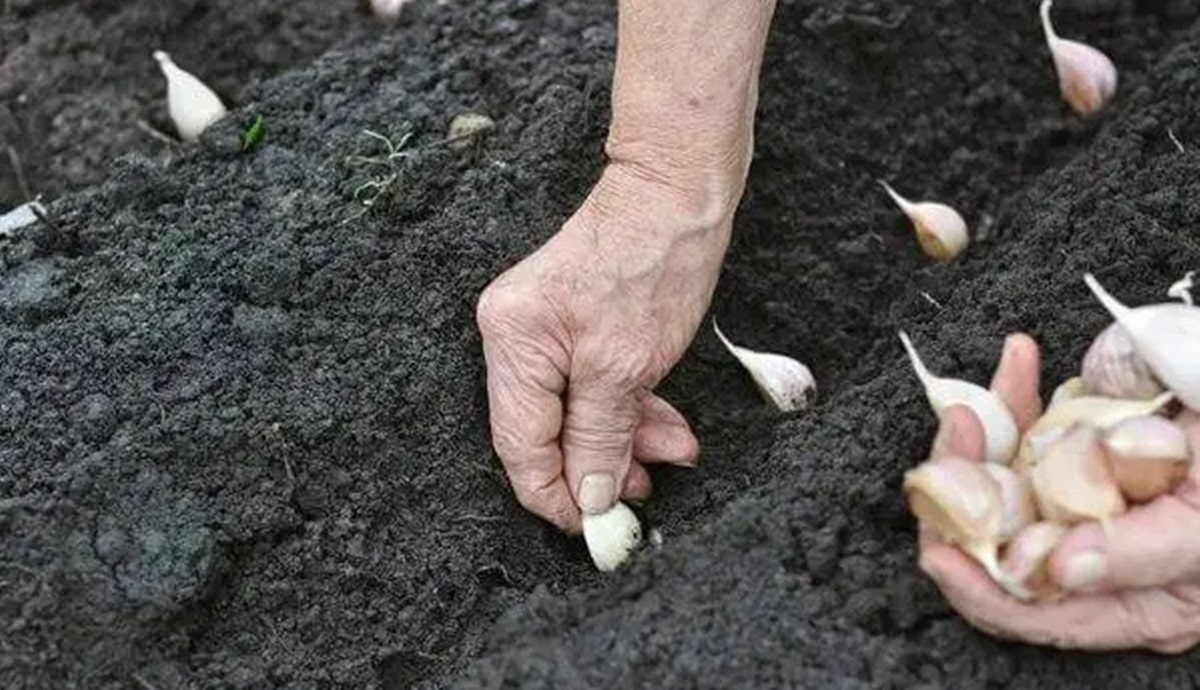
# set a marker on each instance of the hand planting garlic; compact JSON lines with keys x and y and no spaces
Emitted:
{"x":1113,"y":368}
{"x":999,"y":427}
{"x":1166,"y":336}
{"x":941,"y":231}
{"x":1086,"y":76}
{"x":1072,"y":482}
{"x":784,"y":382}
{"x":192,"y":105}
{"x":612,"y":536}
{"x":1147,"y":457}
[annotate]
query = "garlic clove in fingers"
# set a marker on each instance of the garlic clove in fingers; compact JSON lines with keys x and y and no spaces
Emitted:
{"x":1086,"y":76}
{"x":1091,"y":411}
{"x":1072,"y":482}
{"x":1113,"y":368}
{"x":1167,"y":336}
{"x":612,"y":536}
{"x":1017,"y":508}
{"x":1147,"y":456}
{"x":941,"y":231}
{"x":1070,"y":389}
{"x":192,"y":105}
{"x":783,"y":381}
{"x":999,"y":427}
{"x":1026,"y":555}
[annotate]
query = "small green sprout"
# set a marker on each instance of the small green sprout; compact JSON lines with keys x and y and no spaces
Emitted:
{"x":253,"y":135}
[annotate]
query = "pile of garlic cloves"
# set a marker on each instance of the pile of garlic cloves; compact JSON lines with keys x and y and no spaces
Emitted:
{"x":1107,"y":441}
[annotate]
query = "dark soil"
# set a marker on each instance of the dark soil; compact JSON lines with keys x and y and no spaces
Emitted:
{"x":242,"y":422}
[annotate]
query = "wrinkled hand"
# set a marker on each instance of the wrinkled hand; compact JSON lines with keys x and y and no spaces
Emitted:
{"x":1140,"y":589}
{"x":578,"y":334}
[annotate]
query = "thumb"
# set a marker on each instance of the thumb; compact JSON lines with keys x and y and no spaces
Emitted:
{"x":597,"y":442}
{"x":1151,"y":546}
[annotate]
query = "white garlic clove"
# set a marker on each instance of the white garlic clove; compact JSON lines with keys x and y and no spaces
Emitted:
{"x":1091,"y":411}
{"x":388,"y":9}
{"x":1086,"y":76}
{"x":1112,"y":367}
{"x":941,"y":231}
{"x":1167,"y":336}
{"x":1072,"y":483}
{"x":1070,"y":389}
{"x":960,"y":500}
{"x":612,"y":536}
{"x":192,"y":105}
{"x":784,"y":382}
{"x":1147,"y":456}
{"x":999,"y":427}
{"x":1017,"y":508}
{"x":1182,"y":288}
{"x":1026,"y":555}
{"x":19,"y":217}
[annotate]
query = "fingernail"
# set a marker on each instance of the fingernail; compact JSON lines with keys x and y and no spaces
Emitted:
{"x":597,"y":492}
{"x":1084,"y":570}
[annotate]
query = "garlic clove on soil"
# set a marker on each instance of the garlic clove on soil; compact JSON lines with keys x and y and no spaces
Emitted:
{"x":1091,"y":411}
{"x":612,"y":536}
{"x":1026,"y":555}
{"x":784,"y":382}
{"x":1072,"y":482}
{"x":962,"y":502}
{"x":1147,"y":456}
{"x":941,"y":231}
{"x":1086,"y":76}
{"x":1167,"y":336}
{"x":1113,"y":368}
{"x":1182,"y":288}
{"x":467,"y":128}
{"x":388,"y":10}
{"x":192,"y":105}
{"x":1070,"y":389}
{"x":999,"y":427}
{"x":1017,"y":508}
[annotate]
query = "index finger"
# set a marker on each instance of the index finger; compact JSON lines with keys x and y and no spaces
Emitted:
{"x":1018,"y":377}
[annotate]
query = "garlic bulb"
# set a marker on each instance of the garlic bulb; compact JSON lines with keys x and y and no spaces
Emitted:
{"x":783,"y":381}
{"x":1026,"y":555}
{"x":192,"y":105}
{"x":1093,"y":412}
{"x":1070,"y":389}
{"x":999,"y":427}
{"x":1113,"y":368}
{"x":1072,"y":483}
{"x":612,"y":536}
{"x":941,"y":231}
{"x":960,"y":500}
{"x":1167,"y":336}
{"x":387,"y":9}
{"x":1017,"y":508}
{"x":1147,"y":456}
{"x":1086,"y":76}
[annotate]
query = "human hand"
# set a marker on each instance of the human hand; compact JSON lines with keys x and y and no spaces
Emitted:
{"x":578,"y":334}
{"x":1139,"y":588}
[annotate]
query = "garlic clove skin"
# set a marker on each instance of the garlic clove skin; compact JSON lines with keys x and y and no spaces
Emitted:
{"x":1070,"y":389}
{"x":999,"y":427}
{"x":1167,"y":336}
{"x":1182,"y":288}
{"x":941,"y":231}
{"x":612,"y":536}
{"x":1017,"y":508}
{"x":1147,"y":457}
{"x":1091,"y":411}
{"x":1087,"y":77}
{"x":192,"y":105}
{"x":1072,"y":483}
{"x":962,"y":502}
{"x":1113,"y":368}
{"x":388,"y":10}
{"x":784,"y":382}
{"x":1026,"y":556}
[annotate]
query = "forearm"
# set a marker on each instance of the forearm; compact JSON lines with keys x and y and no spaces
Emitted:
{"x":685,"y":91}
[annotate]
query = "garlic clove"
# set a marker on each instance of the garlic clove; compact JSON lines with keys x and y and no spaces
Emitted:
{"x":1072,"y":483}
{"x":1147,"y":456}
{"x":1167,"y":336}
{"x":1091,"y":411}
{"x":962,"y":502}
{"x":1026,"y":556}
{"x":999,"y":427}
{"x":20,"y":217}
{"x":1086,"y":76}
{"x":388,"y":10}
{"x":1017,"y":507}
{"x":467,"y":128}
{"x":1070,"y":389}
{"x":612,"y":536}
{"x":941,"y":231}
{"x":192,"y":105}
{"x":1182,"y":288}
{"x":784,"y":382}
{"x":1113,"y":368}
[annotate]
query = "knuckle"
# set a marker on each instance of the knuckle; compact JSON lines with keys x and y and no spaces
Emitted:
{"x":497,"y":305}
